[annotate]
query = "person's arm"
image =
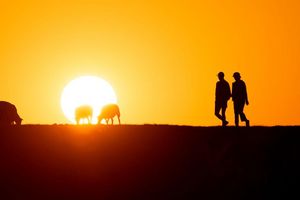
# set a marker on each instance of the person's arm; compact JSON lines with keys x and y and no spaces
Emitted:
{"x":216,"y":92}
{"x":233,"y":92}
{"x":246,"y":95}
{"x":229,"y":91}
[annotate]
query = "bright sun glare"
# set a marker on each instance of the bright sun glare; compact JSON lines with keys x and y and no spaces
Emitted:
{"x":86,"y":90}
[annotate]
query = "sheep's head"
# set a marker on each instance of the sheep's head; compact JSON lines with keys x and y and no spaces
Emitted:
{"x":18,"y":121}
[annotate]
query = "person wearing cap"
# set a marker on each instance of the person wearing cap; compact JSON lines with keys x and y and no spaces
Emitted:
{"x":222,"y":96}
{"x":239,"y":98}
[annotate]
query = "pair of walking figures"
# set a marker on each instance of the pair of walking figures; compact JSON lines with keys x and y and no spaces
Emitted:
{"x":239,"y":98}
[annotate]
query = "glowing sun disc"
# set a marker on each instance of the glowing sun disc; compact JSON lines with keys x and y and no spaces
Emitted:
{"x":86,"y":90}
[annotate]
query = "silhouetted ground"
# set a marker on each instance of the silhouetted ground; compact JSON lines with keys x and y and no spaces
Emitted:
{"x":149,"y":162}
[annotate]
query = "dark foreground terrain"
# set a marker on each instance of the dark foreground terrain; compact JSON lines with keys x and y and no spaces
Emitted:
{"x":149,"y":162}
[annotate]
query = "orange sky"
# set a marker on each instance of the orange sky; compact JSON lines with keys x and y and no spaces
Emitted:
{"x":161,"y":57}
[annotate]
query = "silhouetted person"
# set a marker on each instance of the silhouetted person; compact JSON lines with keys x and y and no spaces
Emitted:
{"x":222,"y":96}
{"x":239,"y":97}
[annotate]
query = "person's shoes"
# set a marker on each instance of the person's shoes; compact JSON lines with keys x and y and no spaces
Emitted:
{"x":236,"y":124}
{"x":224,"y":123}
{"x":247,"y":123}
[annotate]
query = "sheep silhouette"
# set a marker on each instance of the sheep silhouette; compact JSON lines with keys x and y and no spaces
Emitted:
{"x":109,"y":111}
{"x":82,"y":113}
{"x":9,"y":114}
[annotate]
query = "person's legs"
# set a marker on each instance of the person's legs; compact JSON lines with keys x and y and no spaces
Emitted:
{"x":217,"y":110}
{"x":241,"y":111}
{"x":236,"y":113}
{"x":243,"y":116}
{"x":224,"y":122}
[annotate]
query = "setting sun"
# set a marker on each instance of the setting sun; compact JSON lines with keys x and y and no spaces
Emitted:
{"x":86,"y":90}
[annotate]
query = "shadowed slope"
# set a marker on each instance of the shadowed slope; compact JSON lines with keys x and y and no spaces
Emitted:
{"x":148,"y":162}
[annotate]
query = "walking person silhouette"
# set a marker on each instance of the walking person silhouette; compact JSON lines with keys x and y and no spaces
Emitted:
{"x":239,"y":97}
{"x":222,"y":96}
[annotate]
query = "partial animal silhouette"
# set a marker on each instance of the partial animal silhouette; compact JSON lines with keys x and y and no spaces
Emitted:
{"x":109,"y":111}
{"x":83,"y":113}
{"x":9,"y":114}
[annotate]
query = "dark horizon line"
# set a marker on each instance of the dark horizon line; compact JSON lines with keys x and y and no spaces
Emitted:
{"x":154,"y":124}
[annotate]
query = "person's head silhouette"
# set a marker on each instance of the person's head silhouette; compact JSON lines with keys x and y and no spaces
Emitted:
{"x":236,"y":76}
{"x":221,"y":76}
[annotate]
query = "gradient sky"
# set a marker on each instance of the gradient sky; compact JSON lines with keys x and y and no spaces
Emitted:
{"x":161,"y":57}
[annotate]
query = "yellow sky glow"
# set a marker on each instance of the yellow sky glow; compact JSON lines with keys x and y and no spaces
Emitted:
{"x":161,"y":57}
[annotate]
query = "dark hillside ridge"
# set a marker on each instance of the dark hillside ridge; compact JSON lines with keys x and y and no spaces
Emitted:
{"x":149,"y":162}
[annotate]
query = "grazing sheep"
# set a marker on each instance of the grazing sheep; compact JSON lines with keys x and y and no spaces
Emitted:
{"x":9,"y":114}
{"x":84,"y":112}
{"x":109,"y":112}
